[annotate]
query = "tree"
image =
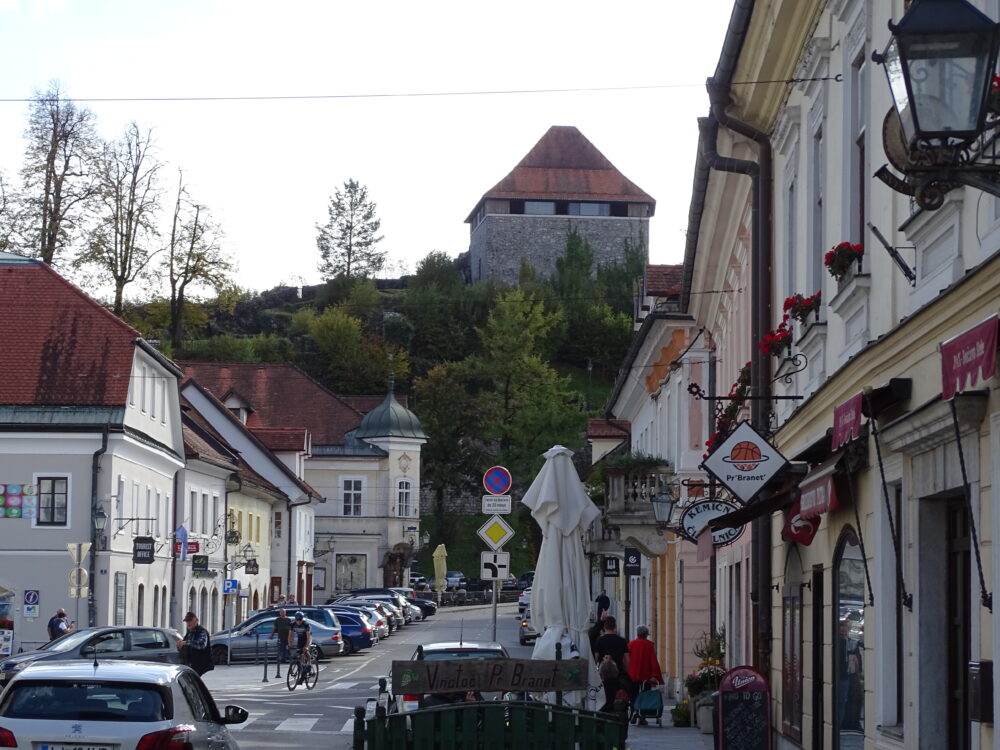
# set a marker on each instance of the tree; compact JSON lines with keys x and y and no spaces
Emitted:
{"x":121,"y":244}
{"x":58,"y":177}
{"x":193,"y":257}
{"x":347,"y":241}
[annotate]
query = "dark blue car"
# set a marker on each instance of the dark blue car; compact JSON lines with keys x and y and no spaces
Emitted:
{"x":356,"y":631}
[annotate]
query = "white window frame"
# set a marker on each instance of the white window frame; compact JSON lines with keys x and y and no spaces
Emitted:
{"x":404,"y":509}
{"x":360,"y":491}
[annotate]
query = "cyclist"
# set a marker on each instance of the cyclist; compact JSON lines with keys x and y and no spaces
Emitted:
{"x":300,"y":637}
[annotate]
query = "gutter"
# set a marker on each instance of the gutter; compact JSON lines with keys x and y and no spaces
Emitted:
{"x":95,"y":469}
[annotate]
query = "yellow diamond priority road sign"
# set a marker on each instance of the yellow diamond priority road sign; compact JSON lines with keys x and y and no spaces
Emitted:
{"x":496,"y":532}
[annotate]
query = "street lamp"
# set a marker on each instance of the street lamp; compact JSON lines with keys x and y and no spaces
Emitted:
{"x":100,"y":520}
{"x":425,"y":539}
{"x":940,"y":65}
{"x":663,"y":506}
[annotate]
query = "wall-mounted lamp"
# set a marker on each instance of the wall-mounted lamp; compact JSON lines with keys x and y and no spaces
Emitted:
{"x":100,"y":520}
{"x":425,"y":539}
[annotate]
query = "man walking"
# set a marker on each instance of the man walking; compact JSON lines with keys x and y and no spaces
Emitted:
{"x":603,"y":603}
{"x":196,"y":648}
{"x":58,"y":625}
{"x":282,"y":626}
{"x":611,"y":652}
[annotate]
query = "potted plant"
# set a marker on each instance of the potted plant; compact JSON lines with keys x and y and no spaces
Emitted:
{"x":777,"y":342}
{"x":841,"y":259}
{"x":800,"y":308}
{"x":681,"y":714}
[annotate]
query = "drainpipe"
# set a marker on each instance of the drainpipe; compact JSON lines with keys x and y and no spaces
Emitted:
{"x":173,"y":616}
{"x":95,"y":469}
{"x":760,"y":173}
{"x":233,"y":484}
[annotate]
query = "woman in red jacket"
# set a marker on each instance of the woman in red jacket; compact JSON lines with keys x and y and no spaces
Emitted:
{"x":643,"y":666}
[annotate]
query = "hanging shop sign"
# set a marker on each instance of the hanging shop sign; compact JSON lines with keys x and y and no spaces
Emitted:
{"x":253,"y":568}
{"x":745,"y":462}
{"x":609,"y":565}
{"x":143,"y":550}
{"x":696,"y":516}
{"x":798,"y":528}
{"x":818,"y":491}
{"x":966,"y":354}
{"x":633,"y":562}
{"x":846,"y":422}
{"x":199,"y":563}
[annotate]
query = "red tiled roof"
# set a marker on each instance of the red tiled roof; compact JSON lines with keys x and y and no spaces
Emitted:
{"x":281,"y":396}
{"x":60,"y":347}
{"x":564,"y":165}
{"x":196,"y":446}
{"x":664,"y":281}
{"x":282,"y":438}
{"x":608,"y":428}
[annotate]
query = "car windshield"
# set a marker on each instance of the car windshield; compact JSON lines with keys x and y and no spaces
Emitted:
{"x":463,"y":653}
{"x":68,"y":642}
{"x":95,"y":700}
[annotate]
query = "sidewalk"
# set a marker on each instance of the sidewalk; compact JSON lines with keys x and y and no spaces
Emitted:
{"x":652,"y":737}
{"x":242,"y":675}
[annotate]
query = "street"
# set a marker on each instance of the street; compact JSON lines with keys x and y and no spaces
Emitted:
{"x":283,"y":718}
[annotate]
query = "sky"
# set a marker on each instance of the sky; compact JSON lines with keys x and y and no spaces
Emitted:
{"x":267,"y":168}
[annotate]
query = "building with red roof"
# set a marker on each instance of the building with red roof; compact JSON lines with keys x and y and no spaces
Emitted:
{"x":563,"y":184}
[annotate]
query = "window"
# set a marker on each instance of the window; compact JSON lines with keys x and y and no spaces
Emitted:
{"x":152,"y":402}
{"x":142,"y":389}
{"x":193,"y":512}
{"x":791,"y":648}
{"x":149,"y":509}
{"x":214,"y":518}
{"x":196,"y":700}
{"x":53,"y":499}
{"x":204,"y":513}
{"x":121,"y":584}
{"x":404,"y":497}
{"x":817,"y":226}
{"x":256,"y":534}
{"x":148,"y":639}
{"x":277,"y":524}
{"x":159,"y":514}
{"x":589,"y":209}
{"x":135,"y":508}
{"x":352,"y":497}
{"x":541,"y":208}
{"x":141,"y":604}
{"x":239,"y":522}
{"x":791,"y":243}
{"x":163,"y":403}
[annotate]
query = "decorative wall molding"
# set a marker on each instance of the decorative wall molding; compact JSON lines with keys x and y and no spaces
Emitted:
{"x":786,"y":130}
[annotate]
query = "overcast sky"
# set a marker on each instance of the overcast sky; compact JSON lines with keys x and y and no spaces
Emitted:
{"x":267,"y":168}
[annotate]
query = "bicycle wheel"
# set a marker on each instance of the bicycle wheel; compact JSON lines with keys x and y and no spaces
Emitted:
{"x":292,"y":677}
{"x":312,"y":674}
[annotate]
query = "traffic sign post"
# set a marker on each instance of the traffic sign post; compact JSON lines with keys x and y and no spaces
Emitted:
{"x":494,"y":566}
{"x":493,"y":504}
{"x":496,"y":533}
{"x":497,"y":480}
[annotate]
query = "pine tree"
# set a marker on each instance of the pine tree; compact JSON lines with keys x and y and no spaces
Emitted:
{"x":347,"y":242}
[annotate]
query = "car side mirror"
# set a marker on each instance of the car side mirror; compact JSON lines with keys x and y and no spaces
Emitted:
{"x":235,"y":715}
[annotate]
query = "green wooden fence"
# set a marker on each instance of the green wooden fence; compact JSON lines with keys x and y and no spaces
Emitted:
{"x":490,"y":725}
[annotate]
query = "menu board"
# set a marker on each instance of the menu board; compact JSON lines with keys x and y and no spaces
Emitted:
{"x":744,"y":710}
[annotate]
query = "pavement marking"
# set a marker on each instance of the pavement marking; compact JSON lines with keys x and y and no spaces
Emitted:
{"x":295,"y":725}
{"x":348,"y":727}
{"x":341,"y":685}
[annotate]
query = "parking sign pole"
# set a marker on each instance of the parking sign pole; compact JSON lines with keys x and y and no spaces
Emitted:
{"x":496,"y":595}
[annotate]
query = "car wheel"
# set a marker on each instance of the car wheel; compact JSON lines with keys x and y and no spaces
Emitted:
{"x":523,"y":642}
{"x":317,"y":654}
{"x":219,"y":654}
{"x":348,"y":647}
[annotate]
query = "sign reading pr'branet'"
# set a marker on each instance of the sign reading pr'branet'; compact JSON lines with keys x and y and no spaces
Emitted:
{"x":744,"y":462}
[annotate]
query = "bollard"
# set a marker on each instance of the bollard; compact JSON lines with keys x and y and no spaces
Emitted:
{"x":559,"y":695}
{"x":277,"y":663}
{"x":256,"y":650}
{"x":265,"y":659}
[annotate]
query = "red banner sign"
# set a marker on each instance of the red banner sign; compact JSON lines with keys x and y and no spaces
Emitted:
{"x":193,"y":548}
{"x":818,"y":492}
{"x":965,"y":355}
{"x":846,"y":422}
{"x":797,"y":528}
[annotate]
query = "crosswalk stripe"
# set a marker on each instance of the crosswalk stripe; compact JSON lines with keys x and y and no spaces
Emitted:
{"x":348,"y":727}
{"x":341,"y":685}
{"x":296,"y":724}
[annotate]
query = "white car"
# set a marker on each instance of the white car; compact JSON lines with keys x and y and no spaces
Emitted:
{"x":523,"y":601}
{"x":120,"y":705}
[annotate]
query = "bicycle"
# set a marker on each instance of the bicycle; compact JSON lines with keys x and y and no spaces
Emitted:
{"x":303,"y":669}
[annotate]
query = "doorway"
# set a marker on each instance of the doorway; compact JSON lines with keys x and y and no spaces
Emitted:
{"x":959,"y":608}
{"x":848,"y":643}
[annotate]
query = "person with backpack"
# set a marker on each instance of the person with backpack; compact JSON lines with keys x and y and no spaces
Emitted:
{"x":196,"y":648}
{"x":611,"y":652}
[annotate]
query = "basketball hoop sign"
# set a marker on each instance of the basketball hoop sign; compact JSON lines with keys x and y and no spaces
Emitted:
{"x":744,"y":462}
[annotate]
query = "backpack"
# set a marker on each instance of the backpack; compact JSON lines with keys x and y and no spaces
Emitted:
{"x":607,"y":670}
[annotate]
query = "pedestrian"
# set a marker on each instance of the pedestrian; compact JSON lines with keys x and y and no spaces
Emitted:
{"x":281,"y":601}
{"x":594,"y":633}
{"x":196,"y":648}
{"x":290,"y":602}
{"x":603,"y":603}
{"x":59,"y":625}
{"x":643,"y":666}
{"x":282,"y":626}
{"x":612,"y":658}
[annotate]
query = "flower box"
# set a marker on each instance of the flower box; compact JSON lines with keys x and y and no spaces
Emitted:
{"x":800,"y":307}
{"x":841,"y":259}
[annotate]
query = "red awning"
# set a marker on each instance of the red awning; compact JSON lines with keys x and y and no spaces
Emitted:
{"x":818,"y":491}
{"x":965,"y":354}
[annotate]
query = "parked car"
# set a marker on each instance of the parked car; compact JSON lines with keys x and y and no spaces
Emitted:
{"x":395,"y":603}
{"x":527,"y":631}
{"x":380,"y":628}
{"x":118,"y":704}
{"x":456,"y":578}
{"x":449,"y":650}
{"x":523,"y":601}
{"x":386,"y":594}
{"x":427,"y":606}
{"x":311,"y":611}
{"x":249,"y":642}
{"x":509,"y":583}
{"x":391,"y":622}
{"x":526,"y":579}
{"x":356,"y":630}
{"x":417,"y":580}
{"x":103,"y":644}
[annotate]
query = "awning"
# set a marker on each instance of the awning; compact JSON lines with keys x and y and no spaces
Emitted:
{"x":966,"y":354}
{"x":819,"y":491}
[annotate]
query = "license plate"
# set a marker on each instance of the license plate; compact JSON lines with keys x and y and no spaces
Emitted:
{"x":71,"y":746}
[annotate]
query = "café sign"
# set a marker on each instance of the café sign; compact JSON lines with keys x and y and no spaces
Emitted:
{"x":488,"y":675}
{"x":697,"y":515}
{"x":745,"y":462}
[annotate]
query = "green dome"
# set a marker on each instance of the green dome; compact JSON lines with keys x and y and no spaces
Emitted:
{"x":390,"y":419}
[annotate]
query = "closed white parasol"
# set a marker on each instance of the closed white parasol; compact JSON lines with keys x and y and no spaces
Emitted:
{"x":560,"y":597}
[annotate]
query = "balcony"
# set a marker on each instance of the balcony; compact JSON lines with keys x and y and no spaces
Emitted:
{"x":631,"y":510}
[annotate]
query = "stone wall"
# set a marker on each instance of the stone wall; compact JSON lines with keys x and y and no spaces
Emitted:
{"x":501,"y":242}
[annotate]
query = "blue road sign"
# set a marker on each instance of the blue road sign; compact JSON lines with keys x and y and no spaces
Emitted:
{"x":230,"y":586}
{"x":497,"y":480}
{"x":31,"y":596}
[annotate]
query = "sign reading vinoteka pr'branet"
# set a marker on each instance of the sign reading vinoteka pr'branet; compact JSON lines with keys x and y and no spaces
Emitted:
{"x":744,"y":462}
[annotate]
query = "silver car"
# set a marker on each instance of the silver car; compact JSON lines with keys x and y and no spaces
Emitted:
{"x":113,"y":704}
{"x":250,"y":642}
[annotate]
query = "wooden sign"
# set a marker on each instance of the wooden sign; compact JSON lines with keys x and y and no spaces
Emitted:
{"x":744,"y":710}
{"x":488,"y":675}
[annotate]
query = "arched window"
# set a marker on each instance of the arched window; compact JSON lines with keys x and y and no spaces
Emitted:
{"x":192,"y":599}
{"x":203,"y":605}
{"x":215,"y":609}
{"x":140,"y":605}
{"x":156,"y":606}
{"x":791,"y":647}
{"x":163,"y":607}
{"x":404,"y":506}
{"x":848,"y":641}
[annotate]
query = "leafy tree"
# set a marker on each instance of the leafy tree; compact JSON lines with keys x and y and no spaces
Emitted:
{"x":347,"y":241}
{"x":58,"y":177}
{"x":355,"y":362}
{"x":121,"y":245}
{"x":436,"y":270}
{"x":193,"y":257}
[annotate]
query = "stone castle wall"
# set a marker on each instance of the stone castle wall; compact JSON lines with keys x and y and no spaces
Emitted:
{"x":501,"y":242}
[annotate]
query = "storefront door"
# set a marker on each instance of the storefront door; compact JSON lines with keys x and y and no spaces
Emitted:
{"x":959,"y":608}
